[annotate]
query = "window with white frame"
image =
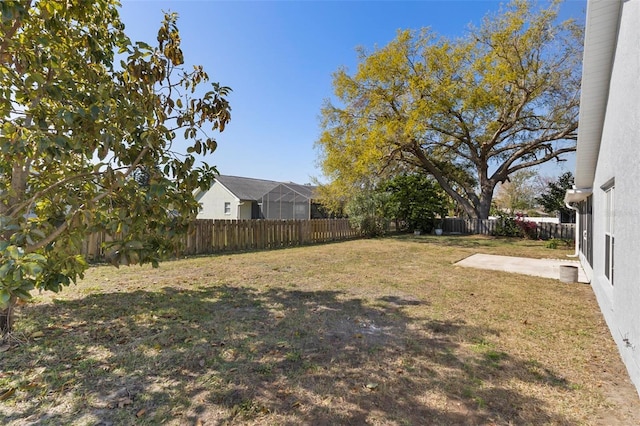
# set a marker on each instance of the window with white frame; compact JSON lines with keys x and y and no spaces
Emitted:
{"x":609,"y":229}
{"x":227,"y":208}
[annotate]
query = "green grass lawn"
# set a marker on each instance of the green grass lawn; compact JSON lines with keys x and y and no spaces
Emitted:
{"x":380,"y":331}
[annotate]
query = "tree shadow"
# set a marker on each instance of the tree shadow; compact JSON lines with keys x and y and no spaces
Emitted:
{"x":232,"y":354}
{"x":456,"y":240}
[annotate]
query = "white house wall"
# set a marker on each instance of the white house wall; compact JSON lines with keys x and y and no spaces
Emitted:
{"x":212,"y":203}
{"x":619,"y":159}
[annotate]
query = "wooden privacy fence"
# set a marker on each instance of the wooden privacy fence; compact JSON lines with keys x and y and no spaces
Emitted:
{"x":544,"y":230}
{"x":207,"y":236}
{"x":211,"y":236}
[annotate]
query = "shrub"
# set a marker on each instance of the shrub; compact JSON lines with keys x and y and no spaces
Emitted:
{"x":554,"y":243}
{"x":529,"y":229}
{"x":509,"y":226}
{"x":372,"y":226}
{"x":365,"y":213}
{"x":506,"y":226}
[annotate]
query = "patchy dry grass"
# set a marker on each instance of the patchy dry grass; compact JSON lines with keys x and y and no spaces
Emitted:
{"x":384,"y":331}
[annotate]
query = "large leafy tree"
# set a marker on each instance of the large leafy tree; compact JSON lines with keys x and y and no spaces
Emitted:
{"x":469,"y":112}
{"x":552,"y":199}
{"x":518,"y":193}
{"x":86,"y":142}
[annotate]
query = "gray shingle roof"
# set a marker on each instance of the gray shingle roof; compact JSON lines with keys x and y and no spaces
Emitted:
{"x":255,"y":189}
{"x":247,"y":188}
{"x":308,"y":191}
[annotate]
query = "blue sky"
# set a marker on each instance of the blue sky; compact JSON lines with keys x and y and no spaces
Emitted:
{"x":279,"y":56}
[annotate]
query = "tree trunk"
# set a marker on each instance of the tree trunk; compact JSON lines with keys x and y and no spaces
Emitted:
{"x":484,"y":202}
{"x":6,"y":318}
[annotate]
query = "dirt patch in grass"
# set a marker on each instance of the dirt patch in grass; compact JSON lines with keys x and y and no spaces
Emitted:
{"x":383,"y":331}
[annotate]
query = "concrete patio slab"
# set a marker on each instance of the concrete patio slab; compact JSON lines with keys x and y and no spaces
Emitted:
{"x":548,"y":268}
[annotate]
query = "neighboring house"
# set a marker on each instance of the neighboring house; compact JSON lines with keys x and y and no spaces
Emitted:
{"x":607,"y":191}
{"x":232,"y":197}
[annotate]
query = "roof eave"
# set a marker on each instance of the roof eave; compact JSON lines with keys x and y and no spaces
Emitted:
{"x":601,"y":35}
{"x":577,"y":195}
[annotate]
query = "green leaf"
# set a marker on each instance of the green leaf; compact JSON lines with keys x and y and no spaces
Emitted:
{"x":95,"y":112}
{"x":6,"y":267}
{"x":13,"y":252}
{"x":22,"y":293}
{"x":5,"y":297}
{"x":33,"y":269}
{"x":38,"y":78}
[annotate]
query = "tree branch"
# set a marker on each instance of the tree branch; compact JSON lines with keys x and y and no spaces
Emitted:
{"x":65,"y":225}
{"x":10,"y":33}
{"x":548,"y":157}
{"x":18,"y":208}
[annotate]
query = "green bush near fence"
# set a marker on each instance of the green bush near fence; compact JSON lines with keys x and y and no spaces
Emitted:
{"x":563,"y":243}
{"x":510,"y":226}
{"x":507,"y":226}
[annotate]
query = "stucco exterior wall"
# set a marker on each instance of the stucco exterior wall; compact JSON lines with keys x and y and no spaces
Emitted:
{"x":212,"y":203}
{"x":619,"y":159}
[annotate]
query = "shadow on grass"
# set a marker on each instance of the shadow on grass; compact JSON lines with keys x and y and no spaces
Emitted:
{"x":234,"y":354}
{"x":459,"y":240}
{"x":490,"y":244}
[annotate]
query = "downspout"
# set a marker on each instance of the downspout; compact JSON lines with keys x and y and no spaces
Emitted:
{"x":576,"y":252}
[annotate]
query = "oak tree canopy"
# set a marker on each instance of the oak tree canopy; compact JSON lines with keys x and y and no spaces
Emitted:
{"x":469,"y":111}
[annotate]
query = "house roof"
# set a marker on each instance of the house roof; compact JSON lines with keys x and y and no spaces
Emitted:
{"x":307,"y":191}
{"x":290,"y":192}
{"x":247,"y":188}
{"x":601,"y":35}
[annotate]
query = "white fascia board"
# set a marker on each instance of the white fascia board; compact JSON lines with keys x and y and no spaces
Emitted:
{"x":601,"y":35}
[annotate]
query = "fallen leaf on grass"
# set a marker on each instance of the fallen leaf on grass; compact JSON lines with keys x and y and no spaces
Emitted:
{"x":141,"y":412}
{"x":124,"y":402}
{"x":371,"y":386}
{"x":37,"y":334}
{"x":7,"y":394}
